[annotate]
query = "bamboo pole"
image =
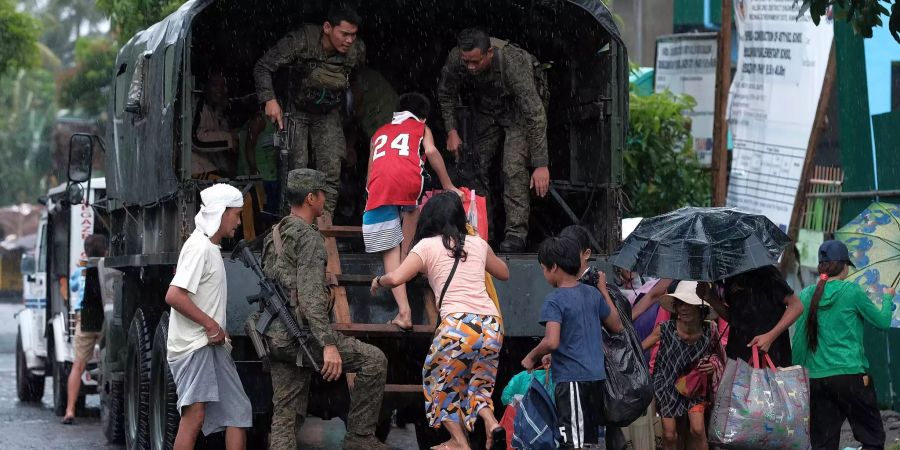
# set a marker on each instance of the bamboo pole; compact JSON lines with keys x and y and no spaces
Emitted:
{"x":719,"y":168}
{"x":800,"y":201}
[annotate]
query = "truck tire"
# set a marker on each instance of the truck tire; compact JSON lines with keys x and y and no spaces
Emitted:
{"x":60,"y":378}
{"x":30,"y":388}
{"x":164,"y":415}
{"x":112,"y":412}
{"x":137,"y":383}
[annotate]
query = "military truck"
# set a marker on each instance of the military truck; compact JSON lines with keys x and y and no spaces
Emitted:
{"x":152,"y":198}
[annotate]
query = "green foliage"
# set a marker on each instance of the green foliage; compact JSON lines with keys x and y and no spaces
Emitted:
{"x":85,"y":89}
{"x":662,"y":172}
{"x":28,"y":112}
{"x":18,"y":38}
{"x":863,"y":15}
{"x":130,"y":16}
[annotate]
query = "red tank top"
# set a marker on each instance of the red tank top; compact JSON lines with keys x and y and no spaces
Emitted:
{"x":398,"y":160}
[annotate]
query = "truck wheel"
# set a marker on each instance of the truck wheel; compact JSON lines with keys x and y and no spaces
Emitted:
{"x":164,"y":415}
{"x":112,"y":412}
{"x":137,"y":383}
{"x":60,"y":383}
{"x":30,"y":388}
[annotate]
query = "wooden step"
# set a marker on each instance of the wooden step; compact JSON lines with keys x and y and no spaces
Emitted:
{"x":403,"y":389}
{"x":380,"y":329}
{"x":354,"y":279}
{"x":340,"y":231}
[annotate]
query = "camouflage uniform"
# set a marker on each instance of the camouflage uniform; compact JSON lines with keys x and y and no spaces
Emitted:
{"x":314,"y":99}
{"x":301,"y":271}
{"x":509,"y":115}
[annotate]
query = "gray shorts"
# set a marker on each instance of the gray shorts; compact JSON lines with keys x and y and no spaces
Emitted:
{"x":208,"y":375}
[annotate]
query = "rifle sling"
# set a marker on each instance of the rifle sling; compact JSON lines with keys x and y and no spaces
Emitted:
{"x":279,"y":252}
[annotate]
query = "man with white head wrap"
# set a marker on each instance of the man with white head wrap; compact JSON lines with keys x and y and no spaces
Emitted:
{"x":210,"y":395}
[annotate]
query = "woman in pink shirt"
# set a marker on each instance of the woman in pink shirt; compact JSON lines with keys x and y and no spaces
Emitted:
{"x":461,"y":367}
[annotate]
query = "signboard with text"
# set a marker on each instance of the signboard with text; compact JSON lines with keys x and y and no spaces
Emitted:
{"x":772,"y":103}
{"x":686,"y":64}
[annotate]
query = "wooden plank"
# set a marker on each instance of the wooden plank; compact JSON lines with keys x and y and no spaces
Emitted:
{"x":403,"y":389}
{"x":380,"y":329}
{"x":340,"y":231}
{"x":719,"y":168}
{"x":341,"y":309}
{"x":354,"y":279}
{"x":788,"y":258}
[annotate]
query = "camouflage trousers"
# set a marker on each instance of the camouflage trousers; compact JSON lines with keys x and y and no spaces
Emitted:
{"x":492,"y":137}
{"x":320,"y":137}
{"x":290,"y":389}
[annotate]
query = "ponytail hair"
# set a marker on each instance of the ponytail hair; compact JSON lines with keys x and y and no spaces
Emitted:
{"x":826,"y":270}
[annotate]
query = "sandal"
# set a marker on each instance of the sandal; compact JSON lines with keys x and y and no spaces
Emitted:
{"x":498,"y":438}
{"x":68,"y":421}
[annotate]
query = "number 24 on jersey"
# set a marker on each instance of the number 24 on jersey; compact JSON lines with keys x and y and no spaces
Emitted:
{"x":400,"y":143}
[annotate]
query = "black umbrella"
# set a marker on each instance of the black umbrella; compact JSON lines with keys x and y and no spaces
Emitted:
{"x":703,"y":244}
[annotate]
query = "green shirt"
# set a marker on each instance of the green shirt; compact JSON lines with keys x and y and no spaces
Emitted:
{"x":842,"y":309}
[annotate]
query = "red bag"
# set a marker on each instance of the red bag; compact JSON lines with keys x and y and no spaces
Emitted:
{"x":475,"y":206}
{"x":507,"y":422}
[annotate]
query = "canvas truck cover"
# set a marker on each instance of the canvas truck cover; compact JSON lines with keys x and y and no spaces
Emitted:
{"x":148,"y":101}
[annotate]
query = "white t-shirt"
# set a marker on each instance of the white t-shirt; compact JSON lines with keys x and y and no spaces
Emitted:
{"x":201,"y":272}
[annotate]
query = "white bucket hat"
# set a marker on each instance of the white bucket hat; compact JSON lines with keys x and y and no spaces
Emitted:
{"x":216,"y":199}
{"x":686,"y":291}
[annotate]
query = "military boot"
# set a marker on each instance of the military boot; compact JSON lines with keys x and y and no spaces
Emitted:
{"x":512,"y":244}
{"x":353,"y":441}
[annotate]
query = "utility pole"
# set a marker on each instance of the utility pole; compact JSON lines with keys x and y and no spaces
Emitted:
{"x":720,"y":126}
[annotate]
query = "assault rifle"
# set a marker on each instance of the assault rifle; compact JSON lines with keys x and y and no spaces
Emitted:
{"x":273,"y":304}
{"x":282,"y":141}
{"x":468,"y":164}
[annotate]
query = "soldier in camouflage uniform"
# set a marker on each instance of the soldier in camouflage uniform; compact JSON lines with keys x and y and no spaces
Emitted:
{"x":496,"y":80}
{"x":294,"y":255}
{"x":324,"y":57}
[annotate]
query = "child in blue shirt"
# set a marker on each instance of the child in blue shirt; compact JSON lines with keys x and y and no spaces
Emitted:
{"x":572,"y":316}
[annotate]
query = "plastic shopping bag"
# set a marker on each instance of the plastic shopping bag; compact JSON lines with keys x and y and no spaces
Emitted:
{"x":627,"y":390}
{"x":475,"y":206}
{"x":761,"y":407}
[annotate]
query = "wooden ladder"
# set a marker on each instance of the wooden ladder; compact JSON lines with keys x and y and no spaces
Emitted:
{"x":343,"y":321}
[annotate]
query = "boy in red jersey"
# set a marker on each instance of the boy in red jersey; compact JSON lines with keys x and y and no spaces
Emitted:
{"x":395,"y":183}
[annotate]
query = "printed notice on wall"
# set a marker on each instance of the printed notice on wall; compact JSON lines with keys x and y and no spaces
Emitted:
{"x":686,"y":64}
{"x":772,"y":103}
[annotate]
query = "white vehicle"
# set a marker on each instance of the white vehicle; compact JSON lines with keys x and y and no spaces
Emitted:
{"x":46,"y":326}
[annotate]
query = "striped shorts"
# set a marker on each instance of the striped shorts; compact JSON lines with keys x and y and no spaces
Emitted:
{"x":578,"y":406}
{"x":461,"y":368}
{"x":382,"y":228}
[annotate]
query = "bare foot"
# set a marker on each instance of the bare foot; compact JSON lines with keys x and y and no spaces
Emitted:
{"x":450,"y":445}
{"x":403,"y":321}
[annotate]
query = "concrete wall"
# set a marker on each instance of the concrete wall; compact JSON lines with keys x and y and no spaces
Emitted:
{"x":642,"y":21}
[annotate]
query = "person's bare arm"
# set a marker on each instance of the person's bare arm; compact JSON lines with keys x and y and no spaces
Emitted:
{"x":650,"y":298}
{"x":651,"y":340}
{"x":179,"y":300}
{"x":437,"y":162}
{"x":496,"y":266}
{"x":548,"y":344}
{"x":612,"y":322}
{"x":793,"y":311}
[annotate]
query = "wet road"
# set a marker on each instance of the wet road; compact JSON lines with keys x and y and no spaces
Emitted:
{"x":34,"y":426}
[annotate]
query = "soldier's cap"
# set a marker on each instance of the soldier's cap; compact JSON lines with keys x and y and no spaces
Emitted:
{"x":309,"y":180}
